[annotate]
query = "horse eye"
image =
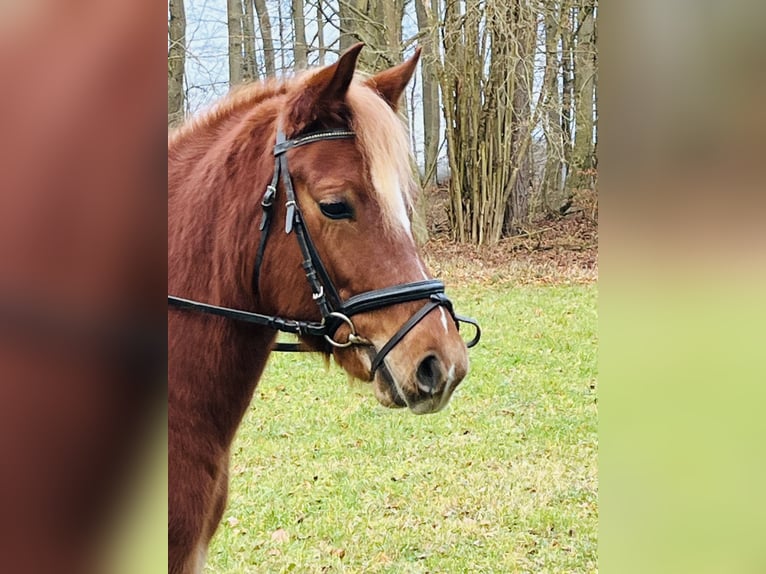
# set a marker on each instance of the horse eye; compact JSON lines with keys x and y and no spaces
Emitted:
{"x":336,"y":210}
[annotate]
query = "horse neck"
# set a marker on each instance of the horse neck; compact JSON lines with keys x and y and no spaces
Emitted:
{"x":213,"y":368}
{"x":214,"y":363}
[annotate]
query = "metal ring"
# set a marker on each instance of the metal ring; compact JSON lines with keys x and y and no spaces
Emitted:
{"x":348,"y":322}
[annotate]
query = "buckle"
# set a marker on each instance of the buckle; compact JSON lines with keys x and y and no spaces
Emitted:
{"x":268,"y":197}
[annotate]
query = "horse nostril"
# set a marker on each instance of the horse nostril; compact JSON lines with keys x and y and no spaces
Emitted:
{"x":429,"y":374}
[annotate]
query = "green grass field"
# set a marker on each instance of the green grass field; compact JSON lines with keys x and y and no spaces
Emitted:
{"x":503,"y":480}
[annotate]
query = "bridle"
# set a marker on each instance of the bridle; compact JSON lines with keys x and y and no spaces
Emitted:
{"x":335,"y":312}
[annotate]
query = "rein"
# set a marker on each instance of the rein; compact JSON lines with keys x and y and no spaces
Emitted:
{"x":335,"y":312}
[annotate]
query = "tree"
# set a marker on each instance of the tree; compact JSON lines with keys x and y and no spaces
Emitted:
{"x":584,"y":80}
{"x":507,"y":90}
{"x":264,"y":22}
{"x":250,"y":61}
{"x":347,"y":20}
{"x":236,"y":61}
{"x":485,"y":77}
{"x":552,"y":185}
{"x":377,"y":23}
{"x":321,"y":48}
{"x":300,"y":49}
{"x":567,"y":92}
{"x":281,"y":37}
{"x":176,"y":61}
{"x":517,"y":203}
{"x":429,"y":37}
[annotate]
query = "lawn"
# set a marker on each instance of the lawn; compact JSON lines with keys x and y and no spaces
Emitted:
{"x":503,"y":480}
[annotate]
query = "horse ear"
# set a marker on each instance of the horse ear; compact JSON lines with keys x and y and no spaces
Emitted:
{"x":325,"y":90}
{"x":391,"y":83}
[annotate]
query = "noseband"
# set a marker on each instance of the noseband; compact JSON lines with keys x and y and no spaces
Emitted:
{"x":335,"y":312}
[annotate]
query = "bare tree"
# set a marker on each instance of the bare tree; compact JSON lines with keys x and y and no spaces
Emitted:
{"x":486,"y":79}
{"x":300,"y":49}
{"x":552,"y":185}
{"x":580,"y":175}
{"x":250,"y":62}
{"x":347,"y":21}
{"x":567,"y":81}
{"x":281,"y":36}
{"x":321,"y":48}
{"x":429,"y":34}
{"x":525,"y":30}
{"x":234,"y":19}
{"x":517,"y":138}
{"x":176,"y":61}
{"x":377,"y":23}
{"x":392,"y":12}
{"x":388,"y":34}
{"x":264,"y":22}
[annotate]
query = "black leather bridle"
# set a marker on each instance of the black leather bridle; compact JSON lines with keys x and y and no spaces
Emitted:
{"x":335,"y":312}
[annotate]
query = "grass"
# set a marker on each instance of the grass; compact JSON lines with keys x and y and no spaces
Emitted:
{"x":504,"y":480}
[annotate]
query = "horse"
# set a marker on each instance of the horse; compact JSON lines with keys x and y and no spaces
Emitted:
{"x":290,"y":199}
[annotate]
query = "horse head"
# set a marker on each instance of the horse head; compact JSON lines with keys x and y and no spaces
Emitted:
{"x":355,"y":195}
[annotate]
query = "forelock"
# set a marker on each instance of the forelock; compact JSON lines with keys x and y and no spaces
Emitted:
{"x":381,"y":136}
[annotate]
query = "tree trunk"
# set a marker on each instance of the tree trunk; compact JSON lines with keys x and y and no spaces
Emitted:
{"x":300,"y":49}
{"x":552,"y":184}
{"x":567,"y":49}
{"x":585,"y":70}
{"x":450,"y":88}
{"x":264,"y":22}
{"x":517,"y":210}
{"x":234,"y":13}
{"x":347,"y":21}
{"x":389,"y":32}
{"x":321,"y":48}
{"x":595,"y":97}
{"x":176,"y":61}
{"x":250,"y":67}
{"x":392,"y":12}
{"x":430,"y":83}
{"x":282,"y":43}
{"x":373,"y":22}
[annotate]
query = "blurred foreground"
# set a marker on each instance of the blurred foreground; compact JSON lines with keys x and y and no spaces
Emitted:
{"x":82,"y":276}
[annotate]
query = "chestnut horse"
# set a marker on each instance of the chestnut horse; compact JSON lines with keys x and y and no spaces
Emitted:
{"x":344,"y":200}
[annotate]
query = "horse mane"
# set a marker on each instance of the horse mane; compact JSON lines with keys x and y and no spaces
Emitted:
{"x":240,"y":98}
{"x":381,"y":134}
